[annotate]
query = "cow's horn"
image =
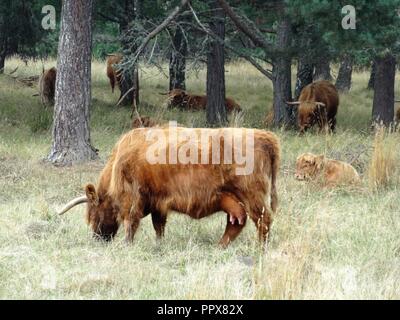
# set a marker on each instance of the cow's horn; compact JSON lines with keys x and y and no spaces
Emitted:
{"x":293,"y":103}
{"x":320,"y":104}
{"x":72,"y":204}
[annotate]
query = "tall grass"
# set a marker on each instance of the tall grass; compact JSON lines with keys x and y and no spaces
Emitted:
{"x":383,"y":168}
{"x":324,"y":244}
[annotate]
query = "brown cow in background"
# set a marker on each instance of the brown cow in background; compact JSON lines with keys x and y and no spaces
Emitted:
{"x":318,"y":104}
{"x":144,"y":122}
{"x":47,"y":86}
{"x":112,"y":73}
{"x":130,"y":187}
{"x":182,"y":99}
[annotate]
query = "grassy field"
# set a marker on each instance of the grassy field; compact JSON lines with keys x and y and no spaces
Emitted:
{"x":325,"y":243}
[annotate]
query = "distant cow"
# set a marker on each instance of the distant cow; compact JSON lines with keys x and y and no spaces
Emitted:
{"x":144,"y":122}
{"x":329,"y":172}
{"x":112,"y":72}
{"x":318,"y":104}
{"x":47,"y":86}
{"x":130,"y":187}
{"x":397,"y":116}
{"x":187,"y":101}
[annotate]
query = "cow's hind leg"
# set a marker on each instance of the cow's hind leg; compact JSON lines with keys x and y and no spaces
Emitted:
{"x":159,"y":220}
{"x":262,"y":220}
{"x":231,"y":231}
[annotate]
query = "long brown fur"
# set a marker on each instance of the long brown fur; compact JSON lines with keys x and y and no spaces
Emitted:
{"x":130,"y":187}
{"x":112,"y":73}
{"x":310,"y":114}
{"x":47,"y":86}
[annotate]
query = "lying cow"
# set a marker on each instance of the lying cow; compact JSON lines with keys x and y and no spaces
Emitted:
{"x":112,"y":72}
{"x":318,"y":104}
{"x":182,"y":99}
{"x":330,"y":172}
{"x":47,"y":86}
{"x":131,"y":187}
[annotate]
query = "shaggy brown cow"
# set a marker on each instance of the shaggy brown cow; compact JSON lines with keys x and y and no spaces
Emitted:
{"x":179,"y":98}
{"x":397,"y":117}
{"x":47,"y":86}
{"x":318,"y":103}
{"x":112,"y":73}
{"x":131,"y":187}
{"x":330,"y":172}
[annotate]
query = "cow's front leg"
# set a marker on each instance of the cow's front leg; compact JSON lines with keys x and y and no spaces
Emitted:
{"x":131,"y":213}
{"x":159,"y":221}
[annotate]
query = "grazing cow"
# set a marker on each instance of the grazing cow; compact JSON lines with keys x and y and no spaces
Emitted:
{"x":47,"y":86}
{"x":397,"y":117}
{"x":131,"y":186}
{"x":184,"y":100}
{"x":330,"y":172}
{"x":318,"y":104}
{"x":112,"y":73}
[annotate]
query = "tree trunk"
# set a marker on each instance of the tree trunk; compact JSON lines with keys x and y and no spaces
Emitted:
{"x":130,"y":78}
{"x":177,"y":61}
{"x":71,"y":133}
{"x":343,"y":81}
{"x":371,"y":81}
{"x":2,"y":63}
{"x":383,"y":107}
{"x":281,"y":75}
{"x":304,"y":75}
{"x":216,"y":110}
{"x":322,"y":70}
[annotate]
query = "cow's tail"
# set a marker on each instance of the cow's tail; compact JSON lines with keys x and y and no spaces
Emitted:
{"x":275,"y":162}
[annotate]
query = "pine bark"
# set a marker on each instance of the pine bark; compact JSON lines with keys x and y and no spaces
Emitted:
{"x":2,"y":63}
{"x":71,"y":134}
{"x":322,"y":70}
{"x":304,"y":76}
{"x":281,"y":77}
{"x":383,"y":107}
{"x":177,"y":61}
{"x":371,"y":81}
{"x":130,"y":78}
{"x":343,"y":81}
{"x":216,"y":110}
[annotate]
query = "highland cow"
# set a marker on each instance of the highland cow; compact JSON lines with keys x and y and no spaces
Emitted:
{"x":329,"y":172}
{"x":182,"y":99}
{"x":112,"y":71}
{"x":318,"y":104}
{"x":47,"y":86}
{"x":132,"y":185}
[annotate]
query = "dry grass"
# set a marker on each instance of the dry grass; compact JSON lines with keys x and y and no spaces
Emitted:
{"x":340,"y":243}
{"x":383,"y":169}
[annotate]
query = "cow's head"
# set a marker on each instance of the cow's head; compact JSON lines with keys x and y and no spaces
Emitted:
{"x":308,"y":166}
{"x":101,"y":214}
{"x":309,"y":113}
